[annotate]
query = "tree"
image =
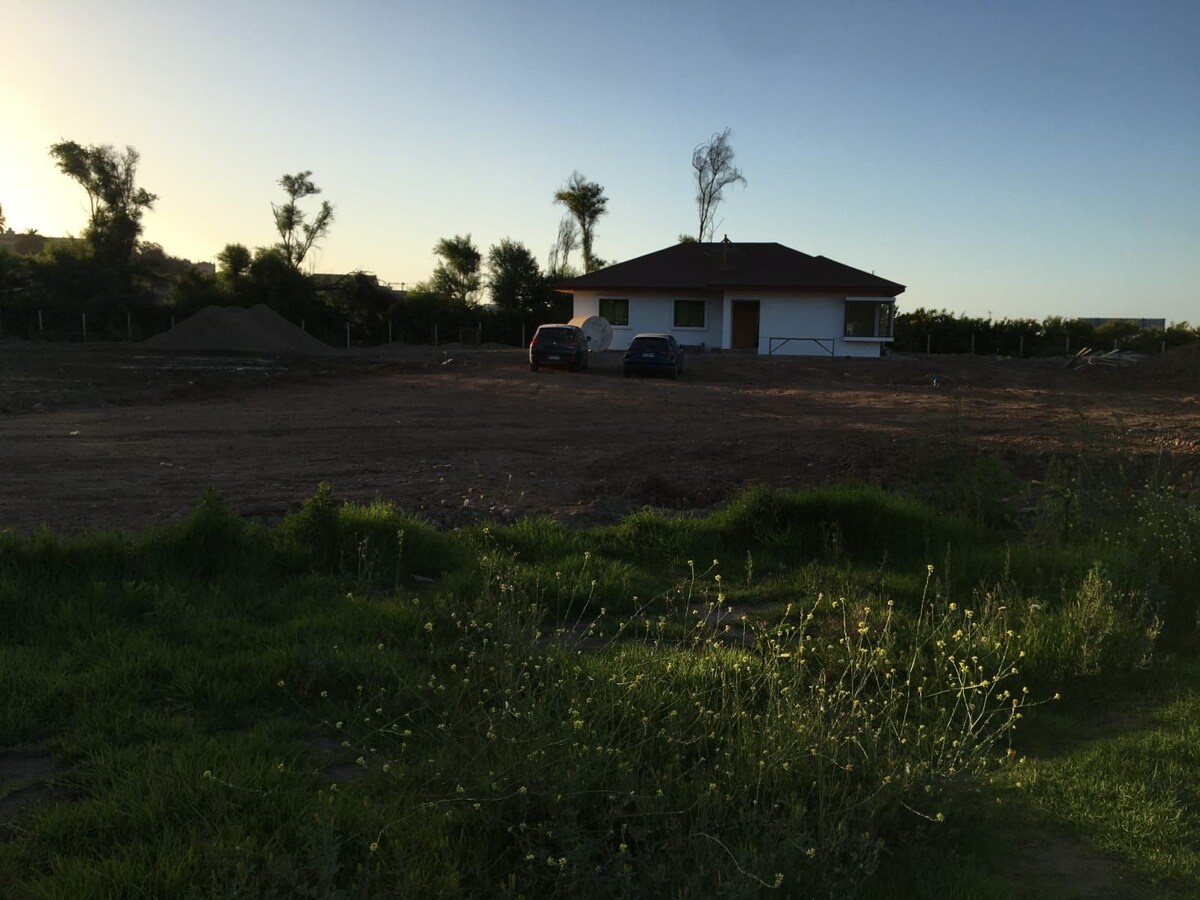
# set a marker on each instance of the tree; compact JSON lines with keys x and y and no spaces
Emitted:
{"x":234,"y":261}
{"x":3,"y":221}
{"x":714,"y":168}
{"x":585,"y":201}
{"x":115,"y":222}
{"x":297,"y":236}
{"x":361,"y":300}
{"x":274,"y":281}
{"x":560,"y":254}
{"x":457,"y":276}
{"x":516,"y":282}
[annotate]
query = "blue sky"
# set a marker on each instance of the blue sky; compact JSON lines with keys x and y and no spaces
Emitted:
{"x":1012,"y":158}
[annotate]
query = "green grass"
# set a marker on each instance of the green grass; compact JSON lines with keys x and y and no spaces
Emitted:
{"x":780,"y":697}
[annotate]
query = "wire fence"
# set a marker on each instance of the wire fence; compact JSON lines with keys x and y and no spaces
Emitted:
{"x":140,"y":326}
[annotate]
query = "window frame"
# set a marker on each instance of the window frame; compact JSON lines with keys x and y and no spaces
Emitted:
{"x":610,"y":319}
{"x":692,"y":303}
{"x":883,"y":325}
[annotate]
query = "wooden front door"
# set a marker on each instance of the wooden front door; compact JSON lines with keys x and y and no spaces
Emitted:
{"x":744,"y":325}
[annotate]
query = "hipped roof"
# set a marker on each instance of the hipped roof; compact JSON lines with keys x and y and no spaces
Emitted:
{"x":723,"y":266}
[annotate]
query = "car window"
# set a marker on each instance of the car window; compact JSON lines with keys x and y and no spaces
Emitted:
{"x":647,"y":343}
{"x":556,"y":334}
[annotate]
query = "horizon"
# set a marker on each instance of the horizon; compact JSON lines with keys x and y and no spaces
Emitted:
{"x":1022,"y":162}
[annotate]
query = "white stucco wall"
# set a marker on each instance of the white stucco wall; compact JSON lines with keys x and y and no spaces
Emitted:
{"x":782,"y":316}
{"x":656,"y":312}
{"x":802,"y":325}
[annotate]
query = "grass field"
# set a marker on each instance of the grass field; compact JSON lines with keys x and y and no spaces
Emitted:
{"x":843,"y":693}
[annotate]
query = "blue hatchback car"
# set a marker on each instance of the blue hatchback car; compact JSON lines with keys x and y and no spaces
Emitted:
{"x":651,"y":354}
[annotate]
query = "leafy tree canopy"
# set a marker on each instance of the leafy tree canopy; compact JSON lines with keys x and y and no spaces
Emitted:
{"x":585,"y":201}
{"x":233,"y":262}
{"x":117,"y":204}
{"x":457,"y":276}
{"x":515,"y":280}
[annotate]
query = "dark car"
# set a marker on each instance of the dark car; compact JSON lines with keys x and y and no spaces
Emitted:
{"x":651,"y":354}
{"x":558,"y":345}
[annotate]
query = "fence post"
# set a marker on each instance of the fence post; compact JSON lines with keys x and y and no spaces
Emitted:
{"x":1068,"y":345}
{"x":972,"y":343}
{"x":1164,"y":346}
{"x":479,"y":333}
{"x":1114,"y":344}
{"x":128,"y":325}
{"x":522,"y":334}
{"x":40,"y":329}
{"x":1021,"y":353}
{"x":84,"y":325}
{"x":435,"y":340}
{"x":389,"y":331}
{"x":928,"y":344}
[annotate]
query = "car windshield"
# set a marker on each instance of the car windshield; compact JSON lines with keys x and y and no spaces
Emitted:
{"x":657,"y":344}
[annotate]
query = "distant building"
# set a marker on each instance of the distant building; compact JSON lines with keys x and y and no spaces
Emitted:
{"x":760,"y":297}
{"x":26,"y":244}
{"x":1143,"y":324}
{"x":330,"y":281}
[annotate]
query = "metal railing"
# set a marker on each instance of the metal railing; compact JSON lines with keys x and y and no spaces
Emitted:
{"x":777,"y":343}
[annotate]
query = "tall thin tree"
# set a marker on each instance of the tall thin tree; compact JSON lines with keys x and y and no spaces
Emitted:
{"x":712,"y":163}
{"x":566,"y":241}
{"x":585,"y":201}
{"x":298,"y":236}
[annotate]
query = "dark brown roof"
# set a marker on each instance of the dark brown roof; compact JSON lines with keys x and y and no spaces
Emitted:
{"x":721,"y":266}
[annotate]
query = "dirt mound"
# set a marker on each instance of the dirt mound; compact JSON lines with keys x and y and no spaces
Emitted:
{"x":1178,"y":366}
{"x":255,"y":330}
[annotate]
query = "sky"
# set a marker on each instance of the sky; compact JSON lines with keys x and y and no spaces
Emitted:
{"x":1011,"y":158}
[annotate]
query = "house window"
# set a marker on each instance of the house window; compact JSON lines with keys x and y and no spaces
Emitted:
{"x":689,"y":313}
{"x":869,"y":318}
{"x":616,"y":311}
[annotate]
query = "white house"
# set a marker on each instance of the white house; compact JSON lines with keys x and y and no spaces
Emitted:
{"x":763,"y":297}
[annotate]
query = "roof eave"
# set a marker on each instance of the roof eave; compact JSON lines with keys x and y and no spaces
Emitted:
{"x":853,"y":290}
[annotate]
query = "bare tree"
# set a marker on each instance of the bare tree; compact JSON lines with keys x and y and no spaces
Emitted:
{"x":560,"y":253}
{"x":713,"y":164}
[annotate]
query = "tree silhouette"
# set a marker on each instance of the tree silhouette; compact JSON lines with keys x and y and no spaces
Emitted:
{"x":715,"y":171}
{"x":297,"y":236}
{"x":585,"y":201}
{"x":117,"y":204}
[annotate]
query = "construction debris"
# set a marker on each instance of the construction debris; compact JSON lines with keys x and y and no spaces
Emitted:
{"x":1111,"y":358}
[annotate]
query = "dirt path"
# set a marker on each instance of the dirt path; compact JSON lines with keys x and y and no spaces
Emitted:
{"x":118,"y":437}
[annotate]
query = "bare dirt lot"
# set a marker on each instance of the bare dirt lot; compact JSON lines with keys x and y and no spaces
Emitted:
{"x":118,"y":435}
